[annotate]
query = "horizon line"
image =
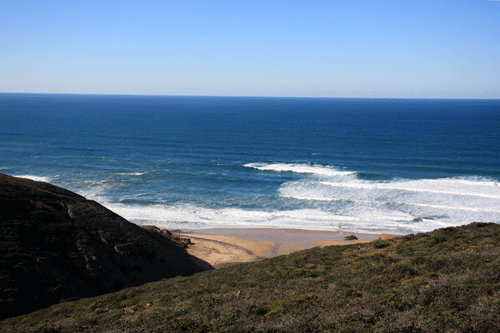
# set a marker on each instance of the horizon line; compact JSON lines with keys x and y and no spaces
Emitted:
{"x":242,"y":96}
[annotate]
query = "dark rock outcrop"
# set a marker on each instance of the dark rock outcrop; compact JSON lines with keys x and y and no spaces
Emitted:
{"x":56,"y":245}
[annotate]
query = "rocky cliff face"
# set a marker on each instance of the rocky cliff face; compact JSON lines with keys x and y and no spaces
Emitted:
{"x":56,"y":245}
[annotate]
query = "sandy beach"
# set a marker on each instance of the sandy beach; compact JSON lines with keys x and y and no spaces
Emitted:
{"x":221,"y":247}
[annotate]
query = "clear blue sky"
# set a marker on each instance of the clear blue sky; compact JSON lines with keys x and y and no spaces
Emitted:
{"x":347,"y":48}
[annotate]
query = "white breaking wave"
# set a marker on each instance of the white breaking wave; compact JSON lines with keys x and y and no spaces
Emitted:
{"x":362,"y":218}
{"x":333,"y":200}
{"x":192,"y":217}
{"x":314,"y":169}
{"x":131,"y":173}
{"x":479,"y":195}
{"x":427,"y":203}
{"x":439,"y":186}
{"x":36,"y":178}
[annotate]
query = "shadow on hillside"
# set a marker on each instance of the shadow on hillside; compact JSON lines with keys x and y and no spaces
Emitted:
{"x":55,"y":245}
{"x":202,"y":263}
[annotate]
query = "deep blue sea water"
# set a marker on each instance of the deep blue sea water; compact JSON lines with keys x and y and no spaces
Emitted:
{"x":371,"y":165}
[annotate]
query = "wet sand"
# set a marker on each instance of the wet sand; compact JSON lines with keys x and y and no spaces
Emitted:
{"x":221,"y":247}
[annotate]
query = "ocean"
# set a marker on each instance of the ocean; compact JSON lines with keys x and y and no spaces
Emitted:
{"x":398,"y":166}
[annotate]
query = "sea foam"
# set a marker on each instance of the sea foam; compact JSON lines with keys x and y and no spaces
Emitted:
{"x":332,"y":200}
{"x":423,"y":205}
{"x":315,"y":169}
{"x":36,"y":178}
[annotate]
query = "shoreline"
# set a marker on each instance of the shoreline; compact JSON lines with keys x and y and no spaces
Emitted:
{"x":220,"y":247}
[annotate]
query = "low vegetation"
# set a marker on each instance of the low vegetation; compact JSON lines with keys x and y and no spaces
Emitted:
{"x":447,"y":280}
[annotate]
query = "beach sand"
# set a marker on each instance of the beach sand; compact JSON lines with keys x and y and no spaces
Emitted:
{"x":222,"y":247}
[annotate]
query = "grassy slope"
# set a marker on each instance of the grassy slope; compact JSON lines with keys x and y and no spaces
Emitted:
{"x":444,"y":281}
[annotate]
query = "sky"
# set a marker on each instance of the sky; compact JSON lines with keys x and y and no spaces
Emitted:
{"x":346,"y":48}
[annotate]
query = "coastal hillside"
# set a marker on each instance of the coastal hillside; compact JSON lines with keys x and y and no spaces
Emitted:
{"x":55,"y":246}
{"x":447,"y":280}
